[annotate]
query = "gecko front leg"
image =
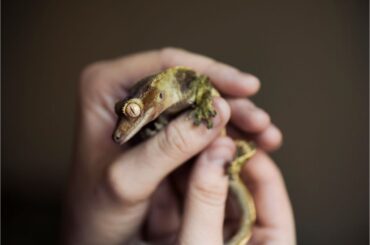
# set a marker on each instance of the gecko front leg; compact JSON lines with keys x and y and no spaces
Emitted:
{"x":204,"y":110}
{"x":154,"y":127}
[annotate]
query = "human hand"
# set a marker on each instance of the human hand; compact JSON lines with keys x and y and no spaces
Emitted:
{"x":110,"y":187}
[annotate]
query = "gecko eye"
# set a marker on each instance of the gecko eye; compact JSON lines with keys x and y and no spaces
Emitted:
{"x":161,"y":95}
{"x":133,"y":108}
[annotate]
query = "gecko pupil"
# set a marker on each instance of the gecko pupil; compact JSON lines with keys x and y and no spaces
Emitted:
{"x":132,"y":110}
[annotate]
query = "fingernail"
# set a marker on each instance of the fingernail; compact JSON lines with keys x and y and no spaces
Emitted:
{"x":220,"y":155}
{"x":262,"y":117}
{"x":217,"y":120}
{"x":251,"y":82}
{"x":274,"y":135}
{"x":223,"y":112}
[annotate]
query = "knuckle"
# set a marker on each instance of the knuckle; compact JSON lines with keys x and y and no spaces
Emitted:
{"x":168,"y":55}
{"x":279,"y":138}
{"x":91,"y":70}
{"x":276,"y":175}
{"x":169,"y":51}
{"x":212,"y":194}
{"x":174,"y":141}
{"x":93,"y":74}
{"x":120,"y":188}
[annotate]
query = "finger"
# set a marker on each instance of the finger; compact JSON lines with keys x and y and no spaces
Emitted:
{"x":206,"y":197}
{"x":267,"y":144}
{"x":163,"y":220}
{"x":179,"y":181}
{"x":127,"y":70}
{"x":270,"y":139}
{"x":122,"y":72}
{"x":271,"y":199}
{"x":248,"y":117}
{"x":135,"y":175}
{"x":227,"y":79}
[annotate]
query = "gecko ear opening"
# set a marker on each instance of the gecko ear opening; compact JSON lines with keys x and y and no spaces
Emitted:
{"x":133,"y":108}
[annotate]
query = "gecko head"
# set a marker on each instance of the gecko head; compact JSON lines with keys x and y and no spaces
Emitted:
{"x":136,"y":112}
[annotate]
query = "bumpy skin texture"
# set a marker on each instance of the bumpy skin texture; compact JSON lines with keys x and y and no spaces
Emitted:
{"x":154,"y":100}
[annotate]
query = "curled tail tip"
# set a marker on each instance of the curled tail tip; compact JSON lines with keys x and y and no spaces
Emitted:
{"x":245,"y":148}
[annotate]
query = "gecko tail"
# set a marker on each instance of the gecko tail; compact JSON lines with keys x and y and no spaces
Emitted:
{"x":245,"y":150}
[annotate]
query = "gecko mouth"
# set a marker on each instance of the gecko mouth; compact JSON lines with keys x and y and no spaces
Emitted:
{"x":128,"y":129}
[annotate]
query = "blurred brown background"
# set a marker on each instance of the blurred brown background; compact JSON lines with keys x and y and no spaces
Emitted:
{"x":311,"y":56}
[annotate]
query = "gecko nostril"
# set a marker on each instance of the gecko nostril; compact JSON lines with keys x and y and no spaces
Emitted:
{"x":116,"y":137}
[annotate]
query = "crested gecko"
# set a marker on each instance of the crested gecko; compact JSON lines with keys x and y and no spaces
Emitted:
{"x":156,"y":99}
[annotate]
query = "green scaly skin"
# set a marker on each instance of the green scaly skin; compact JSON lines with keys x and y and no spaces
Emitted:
{"x":168,"y":93}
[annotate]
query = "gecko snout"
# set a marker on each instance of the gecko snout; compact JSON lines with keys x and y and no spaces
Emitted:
{"x":117,"y":136}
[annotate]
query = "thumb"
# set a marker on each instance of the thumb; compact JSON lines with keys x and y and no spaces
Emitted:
{"x":205,"y":204}
{"x":135,"y":175}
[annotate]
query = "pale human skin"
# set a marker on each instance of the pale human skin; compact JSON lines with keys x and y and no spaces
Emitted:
{"x":113,"y":190}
